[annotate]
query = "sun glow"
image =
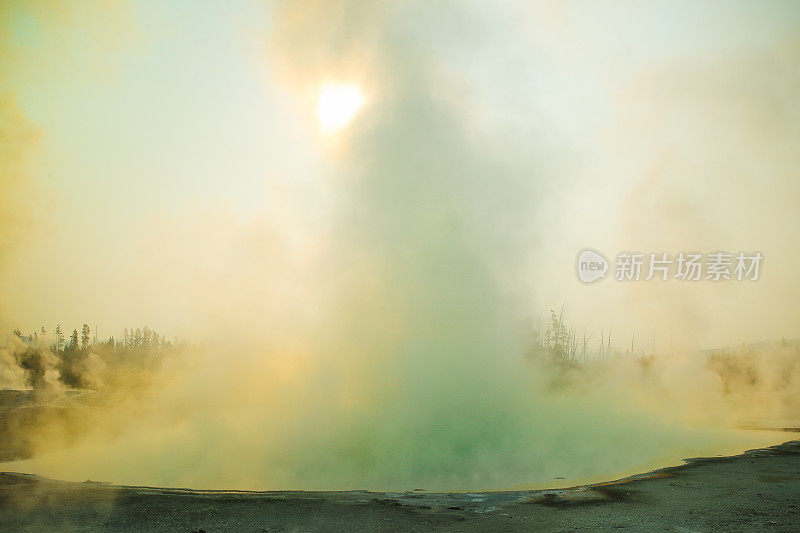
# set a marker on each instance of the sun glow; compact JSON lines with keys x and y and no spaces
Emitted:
{"x":337,"y":105}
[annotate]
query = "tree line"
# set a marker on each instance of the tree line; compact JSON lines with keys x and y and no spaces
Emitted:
{"x":133,"y":338}
{"x":82,"y":361}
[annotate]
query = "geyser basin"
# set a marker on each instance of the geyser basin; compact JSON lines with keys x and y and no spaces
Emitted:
{"x":126,"y":464}
{"x":431,"y":434}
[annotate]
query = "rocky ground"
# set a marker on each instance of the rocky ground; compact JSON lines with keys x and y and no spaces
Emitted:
{"x":757,"y":490}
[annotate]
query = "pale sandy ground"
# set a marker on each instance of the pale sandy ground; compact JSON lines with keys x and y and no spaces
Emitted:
{"x":758,"y":490}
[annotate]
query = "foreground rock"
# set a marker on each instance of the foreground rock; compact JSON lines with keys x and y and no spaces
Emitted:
{"x":759,"y":489}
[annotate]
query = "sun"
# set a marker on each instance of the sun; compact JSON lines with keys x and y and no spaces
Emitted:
{"x":337,"y":105}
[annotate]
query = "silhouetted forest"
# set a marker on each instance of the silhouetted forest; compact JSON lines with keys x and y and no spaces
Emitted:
{"x":82,"y":361}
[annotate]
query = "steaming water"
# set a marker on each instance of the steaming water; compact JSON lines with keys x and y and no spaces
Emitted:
{"x":329,"y":427}
{"x":123,"y":463}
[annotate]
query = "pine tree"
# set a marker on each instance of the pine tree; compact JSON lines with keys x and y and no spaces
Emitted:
{"x":85,"y":335}
{"x":59,"y":337}
{"x":73,"y":340}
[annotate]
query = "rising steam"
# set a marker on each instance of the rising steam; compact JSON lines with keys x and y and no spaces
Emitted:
{"x":382,"y":342}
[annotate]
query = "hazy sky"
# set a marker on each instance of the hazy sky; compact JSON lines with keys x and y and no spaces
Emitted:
{"x":166,"y":158}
